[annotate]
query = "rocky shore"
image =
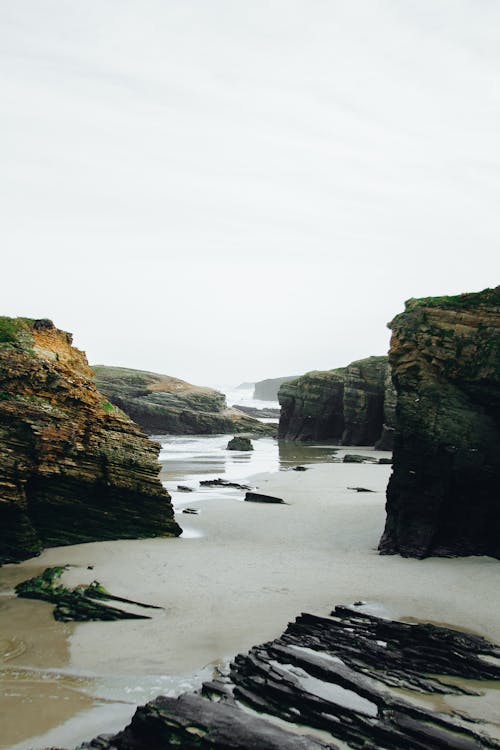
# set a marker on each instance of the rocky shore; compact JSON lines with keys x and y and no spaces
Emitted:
{"x":161,"y":404}
{"x":351,"y":405}
{"x":73,"y":468}
{"x":443,"y":497}
{"x":350,"y":677}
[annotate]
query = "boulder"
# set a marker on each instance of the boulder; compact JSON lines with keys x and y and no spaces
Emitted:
{"x":240,"y":443}
{"x":443,"y":496}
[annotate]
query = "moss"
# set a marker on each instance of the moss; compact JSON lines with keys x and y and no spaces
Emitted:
{"x":468,"y":300}
{"x":76,"y":604}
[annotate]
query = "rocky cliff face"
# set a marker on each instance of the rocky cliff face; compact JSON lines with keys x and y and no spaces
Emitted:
{"x":346,"y":405}
{"x":72,"y":467}
{"x":161,"y":404}
{"x":443,"y":497}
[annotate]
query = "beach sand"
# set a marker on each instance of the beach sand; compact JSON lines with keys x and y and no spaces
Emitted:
{"x":246,"y":569}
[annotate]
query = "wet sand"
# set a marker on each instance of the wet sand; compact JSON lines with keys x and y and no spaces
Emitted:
{"x":246,"y":569}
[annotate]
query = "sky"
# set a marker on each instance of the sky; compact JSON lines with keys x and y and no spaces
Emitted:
{"x":225,"y":190}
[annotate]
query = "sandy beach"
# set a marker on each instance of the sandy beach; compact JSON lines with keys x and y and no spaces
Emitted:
{"x":240,"y":573}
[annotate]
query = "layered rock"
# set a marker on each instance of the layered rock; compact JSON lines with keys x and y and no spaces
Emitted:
{"x":72,"y":467}
{"x":350,"y":680}
{"x":267,"y":390}
{"x":161,"y":404}
{"x":346,"y":405}
{"x":443,"y":497}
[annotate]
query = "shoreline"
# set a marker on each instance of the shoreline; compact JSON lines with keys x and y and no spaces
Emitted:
{"x":247,"y":569}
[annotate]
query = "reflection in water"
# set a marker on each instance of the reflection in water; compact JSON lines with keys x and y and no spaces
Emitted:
{"x":188,"y":460}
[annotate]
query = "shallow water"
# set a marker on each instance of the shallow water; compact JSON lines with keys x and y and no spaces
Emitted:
{"x":42,"y":701}
{"x":188,"y":460}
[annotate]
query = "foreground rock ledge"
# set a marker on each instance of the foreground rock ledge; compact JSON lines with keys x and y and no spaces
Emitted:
{"x":339,"y":678}
{"x":73,"y":468}
{"x":443,"y":497}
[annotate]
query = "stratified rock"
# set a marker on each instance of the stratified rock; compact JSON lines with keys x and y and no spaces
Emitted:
{"x":240,"y":443}
{"x":312,"y":407}
{"x":267,"y":390}
{"x":359,"y":679}
{"x":364,"y":394}
{"x":72,"y":467}
{"x":258,"y":497}
{"x":346,"y":405}
{"x":161,"y":404}
{"x":354,"y":458}
{"x":443,"y":497}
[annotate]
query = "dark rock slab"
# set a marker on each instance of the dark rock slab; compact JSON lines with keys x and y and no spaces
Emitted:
{"x":343,"y":675}
{"x":223,"y":483}
{"x":184,"y":488}
{"x":360,"y":489}
{"x":191,"y":722}
{"x":258,"y":497}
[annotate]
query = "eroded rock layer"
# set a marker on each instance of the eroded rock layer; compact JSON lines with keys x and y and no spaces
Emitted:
{"x":443,"y":497}
{"x":350,"y":678}
{"x":349,"y":405}
{"x":161,"y":404}
{"x":72,"y":467}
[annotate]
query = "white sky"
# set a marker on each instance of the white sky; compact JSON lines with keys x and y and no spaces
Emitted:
{"x":226,"y":190}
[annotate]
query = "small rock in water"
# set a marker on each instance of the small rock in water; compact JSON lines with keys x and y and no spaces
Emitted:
{"x":240,"y":443}
{"x":360,"y":489}
{"x":183,"y":488}
{"x":385,"y":461}
{"x":300,"y":468}
{"x":192,"y":511}
{"x":257,"y":497}
{"x":354,"y":458}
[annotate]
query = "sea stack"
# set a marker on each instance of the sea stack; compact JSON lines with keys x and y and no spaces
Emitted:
{"x":351,"y":405}
{"x":73,"y":468}
{"x":443,"y":497}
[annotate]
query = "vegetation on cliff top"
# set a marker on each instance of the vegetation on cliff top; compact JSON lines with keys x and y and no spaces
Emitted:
{"x":486,"y":297}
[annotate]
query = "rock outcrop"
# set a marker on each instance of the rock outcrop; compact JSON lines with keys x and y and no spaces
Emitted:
{"x":349,"y":405}
{"x":73,"y":468}
{"x":444,"y":495}
{"x":350,"y":678}
{"x":267,"y":390}
{"x":161,"y":404}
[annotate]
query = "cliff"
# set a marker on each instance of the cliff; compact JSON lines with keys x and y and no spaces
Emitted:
{"x":161,"y":404}
{"x":443,"y":497}
{"x":346,"y":405}
{"x":267,"y":390}
{"x":72,"y":467}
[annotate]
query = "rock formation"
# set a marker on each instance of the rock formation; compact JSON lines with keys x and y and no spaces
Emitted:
{"x":267,"y":390}
{"x":351,"y":405}
{"x":444,"y":495}
{"x":72,"y":467}
{"x":350,"y":678}
{"x":161,"y":404}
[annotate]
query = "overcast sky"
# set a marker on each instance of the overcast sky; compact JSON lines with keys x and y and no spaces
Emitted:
{"x":228,"y":190}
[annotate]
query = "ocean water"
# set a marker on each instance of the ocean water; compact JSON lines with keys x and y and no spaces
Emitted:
{"x":244,"y":396}
{"x":189,"y":459}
